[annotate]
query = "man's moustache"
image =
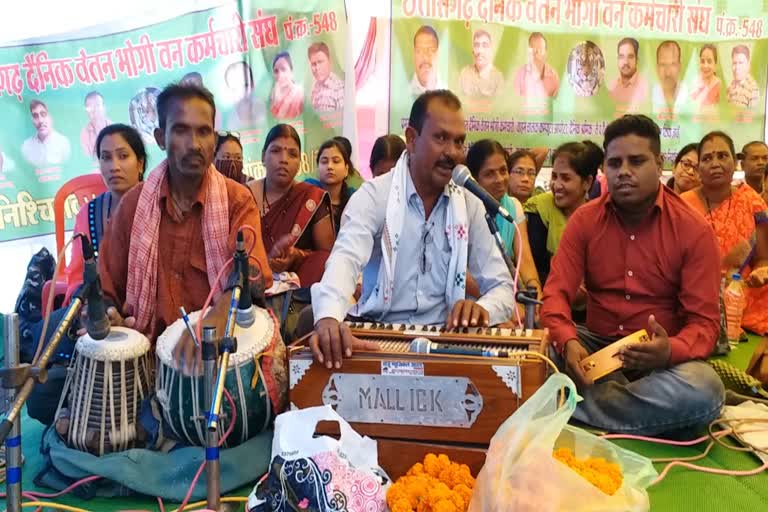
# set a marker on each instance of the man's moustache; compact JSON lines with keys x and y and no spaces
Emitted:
{"x":192,"y":156}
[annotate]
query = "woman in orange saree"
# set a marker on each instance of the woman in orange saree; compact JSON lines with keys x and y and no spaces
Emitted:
{"x":739,"y":218}
{"x":296,"y":223}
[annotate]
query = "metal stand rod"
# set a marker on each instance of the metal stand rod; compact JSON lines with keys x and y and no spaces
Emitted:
{"x":500,"y":244}
{"x":228,"y":344}
{"x":40,"y":373}
{"x":524,"y":296}
{"x":13,"y":442}
{"x":212,"y":462}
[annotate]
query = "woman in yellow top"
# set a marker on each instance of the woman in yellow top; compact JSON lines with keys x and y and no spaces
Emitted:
{"x":574,"y":170}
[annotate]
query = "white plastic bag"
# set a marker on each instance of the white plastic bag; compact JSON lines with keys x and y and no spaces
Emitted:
{"x":521,"y":475}
{"x":320,"y":473}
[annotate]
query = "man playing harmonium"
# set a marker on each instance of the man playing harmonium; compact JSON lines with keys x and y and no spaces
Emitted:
{"x":173,"y":233}
{"x":414,"y":235}
{"x":648,"y":262}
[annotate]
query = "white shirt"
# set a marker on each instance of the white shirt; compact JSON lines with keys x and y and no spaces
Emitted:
{"x":660,"y":104}
{"x":418,"y":89}
{"x":53,"y":151}
{"x":419,"y":292}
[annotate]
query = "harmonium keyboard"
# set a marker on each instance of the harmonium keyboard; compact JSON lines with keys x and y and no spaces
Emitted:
{"x":412,"y":402}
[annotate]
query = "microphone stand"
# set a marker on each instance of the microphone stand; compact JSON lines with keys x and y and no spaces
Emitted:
{"x":24,"y":377}
{"x":499,"y":242}
{"x":527,"y":296}
{"x":228,"y":343}
{"x":212,"y":462}
{"x":12,"y":443}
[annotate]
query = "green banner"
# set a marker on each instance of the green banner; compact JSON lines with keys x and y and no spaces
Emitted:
{"x":55,"y":97}
{"x":544,"y":72}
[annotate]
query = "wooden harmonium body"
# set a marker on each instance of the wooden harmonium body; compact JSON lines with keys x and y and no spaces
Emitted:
{"x":423,"y":402}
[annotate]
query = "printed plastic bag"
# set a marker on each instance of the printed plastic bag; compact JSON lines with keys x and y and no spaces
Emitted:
{"x":521,"y":475}
{"x":320,"y":474}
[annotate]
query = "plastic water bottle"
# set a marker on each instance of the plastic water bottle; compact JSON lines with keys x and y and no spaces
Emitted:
{"x":735,"y":302}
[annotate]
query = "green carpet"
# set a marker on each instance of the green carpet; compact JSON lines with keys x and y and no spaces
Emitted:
{"x":681,"y":490}
{"x":684,"y":489}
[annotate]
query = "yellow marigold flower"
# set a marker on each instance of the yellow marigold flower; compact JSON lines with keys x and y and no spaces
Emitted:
{"x":604,"y":475}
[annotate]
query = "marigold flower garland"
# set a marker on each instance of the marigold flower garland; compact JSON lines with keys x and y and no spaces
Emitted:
{"x":436,"y":485}
{"x":604,"y":475}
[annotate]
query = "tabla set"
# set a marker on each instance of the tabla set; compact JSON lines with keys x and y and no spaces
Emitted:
{"x":108,"y":380}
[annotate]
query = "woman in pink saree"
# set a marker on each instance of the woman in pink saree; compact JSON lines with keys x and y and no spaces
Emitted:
{"x":287,"y":96}
{"x":706,"y":91}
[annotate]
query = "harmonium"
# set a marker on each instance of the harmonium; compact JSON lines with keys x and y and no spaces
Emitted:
{"x":450,"y":400}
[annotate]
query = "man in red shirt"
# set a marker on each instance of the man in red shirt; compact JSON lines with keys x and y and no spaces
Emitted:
{"x":648,"y":262}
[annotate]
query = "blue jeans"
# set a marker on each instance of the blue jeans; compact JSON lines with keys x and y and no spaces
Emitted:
{"x":686,"y":395}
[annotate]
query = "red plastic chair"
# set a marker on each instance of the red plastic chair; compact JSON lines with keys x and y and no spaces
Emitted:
{"x":84,"y":188}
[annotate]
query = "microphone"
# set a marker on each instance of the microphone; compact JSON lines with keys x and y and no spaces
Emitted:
{"x":425,"y":346}
{"x":463,"y":178}
{"x":246,"y":314}
{"x":97,"y":322}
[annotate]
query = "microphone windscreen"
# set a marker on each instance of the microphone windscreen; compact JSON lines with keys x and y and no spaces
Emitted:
{"x":461,"y":174}
{"x":245,"y":318}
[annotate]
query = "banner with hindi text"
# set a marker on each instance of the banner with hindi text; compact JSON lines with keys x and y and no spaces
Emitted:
{"x":55,"y":97}
{"x":543,"y":72}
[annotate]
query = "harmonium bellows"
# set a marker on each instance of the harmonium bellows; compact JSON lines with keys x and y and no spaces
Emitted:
{"x":429,"y":400}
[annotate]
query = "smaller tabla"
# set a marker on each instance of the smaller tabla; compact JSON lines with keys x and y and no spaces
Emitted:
{"x":104,"y":388}
{"x":256,"y":379}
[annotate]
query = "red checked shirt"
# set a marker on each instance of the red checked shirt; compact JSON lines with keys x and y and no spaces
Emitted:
{"x":668,"y":265}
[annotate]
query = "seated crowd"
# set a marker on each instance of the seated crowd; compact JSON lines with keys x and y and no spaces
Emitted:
{"x":609,"y":248}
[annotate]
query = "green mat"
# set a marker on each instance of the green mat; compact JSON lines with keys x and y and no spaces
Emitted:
{"x":681,"y":490}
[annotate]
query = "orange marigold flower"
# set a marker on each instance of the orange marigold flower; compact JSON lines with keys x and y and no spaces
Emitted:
{"x":463,"y":491}
{"x":435,"y":485}
{"x":445,"y":506}
{"x":416,"y":469}
{"x":401,"y":505}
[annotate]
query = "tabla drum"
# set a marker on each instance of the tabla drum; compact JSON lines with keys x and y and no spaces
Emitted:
{"x":256,"y":379}
{"x":104,"y":388}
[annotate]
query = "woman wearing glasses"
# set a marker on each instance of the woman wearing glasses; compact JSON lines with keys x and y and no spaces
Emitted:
{"x":296,"y":222}
{"x":685,"y":175}
{"x":487,"y":161}
{"x":228,"y":158}
{"x":574,"y":169}
{"x":739,"y":218}
{"x":524,"y":166}
{"x":287,"y":96}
